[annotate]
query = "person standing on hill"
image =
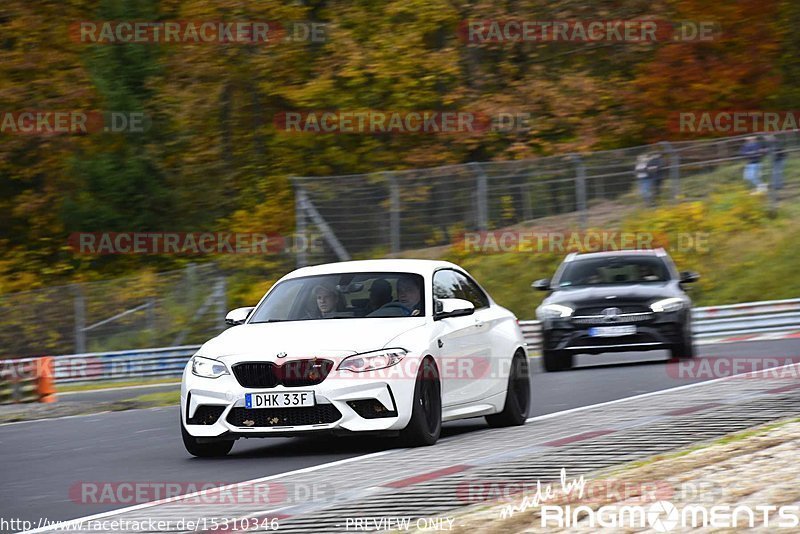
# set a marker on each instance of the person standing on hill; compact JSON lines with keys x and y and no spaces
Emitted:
{"x":644,"y":178}
{"x":752,"y":152}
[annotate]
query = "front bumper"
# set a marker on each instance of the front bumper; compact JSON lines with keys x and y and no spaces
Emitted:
{"x":661,"y":331}
{"x":337,"y":407}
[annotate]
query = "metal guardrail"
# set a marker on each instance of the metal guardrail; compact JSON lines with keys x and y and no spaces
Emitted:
{"x":747,"y":318}
{"x":123,"y":365}
{"x":112,"y":366}
{"x":709,"y":322}
{"x":20,"y":380}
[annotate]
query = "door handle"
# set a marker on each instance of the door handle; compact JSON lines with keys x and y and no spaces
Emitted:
{"x":478,"y":323}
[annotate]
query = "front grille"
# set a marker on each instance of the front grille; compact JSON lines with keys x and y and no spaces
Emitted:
{"x":294,"y":373}
{"x":268,"y":417}
{"x":206,"y":415}
{"x":623,"y":308}
{"x":622,"y":318}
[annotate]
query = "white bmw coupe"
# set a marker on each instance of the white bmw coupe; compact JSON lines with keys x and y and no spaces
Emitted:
{"x":392,"y":347}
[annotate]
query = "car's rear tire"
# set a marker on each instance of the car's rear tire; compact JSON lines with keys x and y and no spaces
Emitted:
{"x":425,"y":424}
{"x":683,"y":350}
{"x":518,"y":396}
{"x":556,"y":360}
{"x":212,"y":449}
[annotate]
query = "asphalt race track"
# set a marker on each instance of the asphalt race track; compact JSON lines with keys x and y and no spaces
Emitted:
{"x":42,"y":460}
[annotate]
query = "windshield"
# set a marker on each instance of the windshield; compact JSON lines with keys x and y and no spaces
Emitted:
{"x":343,"y":296}
{"x":613,"y":270}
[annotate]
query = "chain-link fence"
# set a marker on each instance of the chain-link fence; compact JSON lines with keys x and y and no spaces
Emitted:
{"x":388,"y":212}
{"x":149,"y":310}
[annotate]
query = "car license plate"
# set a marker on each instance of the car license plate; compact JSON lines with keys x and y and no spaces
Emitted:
{"x":282,"y":399}
{"x":612,"y":331}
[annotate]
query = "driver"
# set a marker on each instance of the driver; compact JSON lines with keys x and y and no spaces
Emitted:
{"x":408,"y":301}
{"x":409,"y":294}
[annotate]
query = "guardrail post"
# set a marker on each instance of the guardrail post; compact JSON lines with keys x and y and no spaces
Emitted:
{"x":527,"y":208}
{"x":580,"y":188}
{"x":79,"y":306}
{"x":222,"y":299}
{"x":6,"y":386}
{"x":151,"y":320}
{"x":674,"y":169}
{"x":481,"y":189}
{"x":773,"y":188}
{"x":301,"y":235}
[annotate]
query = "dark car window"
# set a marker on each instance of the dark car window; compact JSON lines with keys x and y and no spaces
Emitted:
{"x":472,"y":292}
{"x":613,"y":270}
{"x":446,"y":286}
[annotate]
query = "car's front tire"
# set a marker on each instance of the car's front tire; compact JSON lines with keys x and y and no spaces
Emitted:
{"x":556,"y":360}
{"x":684,"y":349}
{"x":425,"y":424}
{"x":518,"y":396}
{"x":205,"y":450}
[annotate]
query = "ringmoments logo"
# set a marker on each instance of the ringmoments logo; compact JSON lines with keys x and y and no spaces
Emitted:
{"x":664,"y":516}
{"x":563,"y":504}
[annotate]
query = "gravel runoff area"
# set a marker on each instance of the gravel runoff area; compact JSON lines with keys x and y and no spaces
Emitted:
{"x":756,"y":470}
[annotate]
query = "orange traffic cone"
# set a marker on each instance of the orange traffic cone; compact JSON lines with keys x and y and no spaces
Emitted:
{"x":45,"y":375}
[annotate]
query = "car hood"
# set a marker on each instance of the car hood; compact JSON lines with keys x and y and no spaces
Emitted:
{"x":639,"y":293}
{"x":305,"y":339}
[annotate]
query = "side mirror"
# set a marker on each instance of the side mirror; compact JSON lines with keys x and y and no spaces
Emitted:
{"x":542,"y":285}
{"x":444,"y":308}
{"x":687,"y":277}
{"x":238,"y":316}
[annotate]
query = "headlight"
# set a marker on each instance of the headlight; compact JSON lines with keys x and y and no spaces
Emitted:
{"x":370,"y":361}
{"x":553,"y":311}
{"x":667,"y":305}
{"x":208,"y":368}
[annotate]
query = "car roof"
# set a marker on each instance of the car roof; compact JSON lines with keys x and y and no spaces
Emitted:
{"x":422,"y":267}
{"x":659,"y":252}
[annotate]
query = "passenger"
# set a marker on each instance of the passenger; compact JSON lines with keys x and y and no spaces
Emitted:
{"x":328,"y":300}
